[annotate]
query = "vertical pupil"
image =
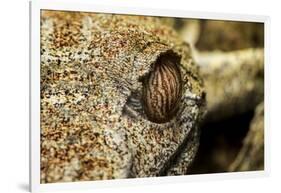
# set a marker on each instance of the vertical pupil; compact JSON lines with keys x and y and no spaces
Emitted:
{"x":162,"y":90}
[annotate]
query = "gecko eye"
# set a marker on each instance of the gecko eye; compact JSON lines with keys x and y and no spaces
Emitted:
{"x":162,"y":89}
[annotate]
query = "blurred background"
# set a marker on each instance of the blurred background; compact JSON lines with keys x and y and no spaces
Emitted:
{"x":232,"y":135}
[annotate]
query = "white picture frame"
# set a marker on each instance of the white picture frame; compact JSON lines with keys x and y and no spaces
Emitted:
{"x":36,"y":6}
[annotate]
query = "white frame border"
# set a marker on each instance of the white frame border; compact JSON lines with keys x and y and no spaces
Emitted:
{"x":34,"y":114}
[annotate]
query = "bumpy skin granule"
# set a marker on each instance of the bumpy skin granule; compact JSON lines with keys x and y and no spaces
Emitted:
{"x":90,"y":65}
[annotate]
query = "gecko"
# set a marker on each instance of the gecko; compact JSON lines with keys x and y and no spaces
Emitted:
{"x":121,"y":97}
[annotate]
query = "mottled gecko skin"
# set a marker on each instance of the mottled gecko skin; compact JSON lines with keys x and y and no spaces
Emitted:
{"x":90,"y":66}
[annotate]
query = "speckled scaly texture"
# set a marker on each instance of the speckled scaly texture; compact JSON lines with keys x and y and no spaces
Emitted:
{"x":90,"y":65}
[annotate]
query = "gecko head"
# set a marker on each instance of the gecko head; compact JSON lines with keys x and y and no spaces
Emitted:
{"x":116,"y":101}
